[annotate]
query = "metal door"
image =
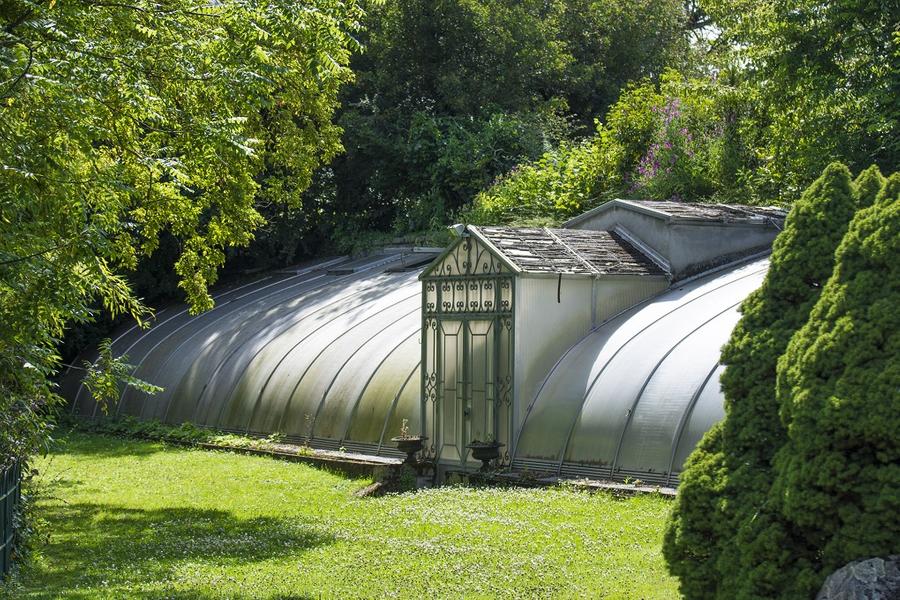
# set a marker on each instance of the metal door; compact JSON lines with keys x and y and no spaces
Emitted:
{"x":466,"y":384}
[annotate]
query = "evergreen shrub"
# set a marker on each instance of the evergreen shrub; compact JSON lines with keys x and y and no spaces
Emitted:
{"x":727,"y":529}
{"x":837,"y":479}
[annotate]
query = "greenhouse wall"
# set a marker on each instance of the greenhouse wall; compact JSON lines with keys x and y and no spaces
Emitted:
{"x":687,"y":244}
{"x":628,"y":399}
{"x":327,"y":355}
{"x":570,"y":347}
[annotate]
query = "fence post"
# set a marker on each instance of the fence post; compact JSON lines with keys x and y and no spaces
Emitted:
{"x":10,"y":482}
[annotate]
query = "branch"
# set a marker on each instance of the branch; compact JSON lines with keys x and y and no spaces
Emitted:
{"x":6,"y":92}
{"x":13,"y":24}
{"x":151,"y":12}
{"x":19,"y":259}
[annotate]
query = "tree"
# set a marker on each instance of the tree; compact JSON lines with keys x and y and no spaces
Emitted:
{"x":802,"y":260}
{"x":691,"y":544}
{"x":823,"y":76}
{"x":837,"y":478}
{"x":453,"y":94}
{"x":124,"y":121}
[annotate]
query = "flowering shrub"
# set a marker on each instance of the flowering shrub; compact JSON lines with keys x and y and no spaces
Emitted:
{"x":678,"y":161}
{"x":679,"y":139}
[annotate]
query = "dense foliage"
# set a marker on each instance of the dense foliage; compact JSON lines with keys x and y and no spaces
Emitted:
{"x":122,"y":122}
{"x":837,"y":479}
{"x":822,"y":78}
{"x":671,"y":139}
{"x":727,"y":537}
{"x":452,"y":94}
{"x":784,"y":89}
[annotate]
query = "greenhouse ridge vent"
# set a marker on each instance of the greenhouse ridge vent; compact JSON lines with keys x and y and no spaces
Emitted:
{"x":589,"y":350}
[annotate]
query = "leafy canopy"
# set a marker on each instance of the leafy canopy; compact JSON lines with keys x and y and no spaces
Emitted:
{"x":822,"y":78}
{"x":452,"y":94}
{"x":122,"y":121}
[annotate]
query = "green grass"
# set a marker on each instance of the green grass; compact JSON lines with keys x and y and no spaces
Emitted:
{"x":131,"y":519}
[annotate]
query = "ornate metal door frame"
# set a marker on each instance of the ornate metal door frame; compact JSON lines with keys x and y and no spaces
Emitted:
{"x":468,"y":296}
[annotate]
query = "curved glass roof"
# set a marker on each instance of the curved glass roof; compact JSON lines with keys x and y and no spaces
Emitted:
{"x":330,"y":354}
{"x":634,"y":396}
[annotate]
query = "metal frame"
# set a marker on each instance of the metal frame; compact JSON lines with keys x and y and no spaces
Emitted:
{"x":469,"y":282}
{"x":10,"y":496}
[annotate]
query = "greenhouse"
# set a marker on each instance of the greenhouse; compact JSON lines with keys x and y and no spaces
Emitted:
{"x":590,"y":350}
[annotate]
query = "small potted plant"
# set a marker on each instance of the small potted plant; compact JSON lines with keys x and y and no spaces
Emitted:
{"x":485,"y":451}
{"x":410,"y":444}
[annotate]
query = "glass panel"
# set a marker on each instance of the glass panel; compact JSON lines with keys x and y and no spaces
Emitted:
{"x":606,"y":410}
{"x":708,"y":410}
{"x":376,"y":402}
{"x":227,"y":363}
{"x":359,"y":368}
{"x":595,"y":373}
{"x":184,"y":362}
{"x":650,"y":438}
{"x":450,"y":387}
{"x":319,"y":355}
{"x":480,"y":402}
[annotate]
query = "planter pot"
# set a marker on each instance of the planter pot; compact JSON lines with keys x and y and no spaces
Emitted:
{"x":486,"y":453}
{"x":411,"y":445}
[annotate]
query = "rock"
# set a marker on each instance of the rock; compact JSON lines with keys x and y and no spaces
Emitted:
{"x":867,"y":579}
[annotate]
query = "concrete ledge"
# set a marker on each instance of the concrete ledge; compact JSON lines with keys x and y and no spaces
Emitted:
{"x":346,"y":463}
{"x":515,"y":479}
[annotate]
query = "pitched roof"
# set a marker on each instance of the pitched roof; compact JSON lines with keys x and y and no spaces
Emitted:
{"x":723,"y":213}
{"x":691,"y":211}
{"x":572,"y":251}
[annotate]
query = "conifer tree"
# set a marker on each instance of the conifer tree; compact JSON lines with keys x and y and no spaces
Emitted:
{"x":868,"y":185}
{"x":691,"y":541}
{"x":802,"y":260}
{"x":837,"y":478}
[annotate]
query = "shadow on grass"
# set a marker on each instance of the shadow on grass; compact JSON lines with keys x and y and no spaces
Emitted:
{"x":101,"y":547}
{"x":101,"y":445}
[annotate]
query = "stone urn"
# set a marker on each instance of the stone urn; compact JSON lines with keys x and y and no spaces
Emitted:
{"x":486,"y":452}
{"x":411,"y":445}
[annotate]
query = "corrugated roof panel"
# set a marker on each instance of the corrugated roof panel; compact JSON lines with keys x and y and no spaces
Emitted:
{"x":581,"y":413}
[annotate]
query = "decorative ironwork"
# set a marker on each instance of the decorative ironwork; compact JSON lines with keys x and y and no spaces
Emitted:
{"x":468,"y":296}
{"x":469,"y":257}
{"x":467,"y":351}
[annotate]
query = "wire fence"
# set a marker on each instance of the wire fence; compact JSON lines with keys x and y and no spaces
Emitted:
{"x":10,"y":493}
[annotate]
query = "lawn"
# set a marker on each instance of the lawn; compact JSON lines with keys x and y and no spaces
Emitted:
{"x":132,"y":519}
